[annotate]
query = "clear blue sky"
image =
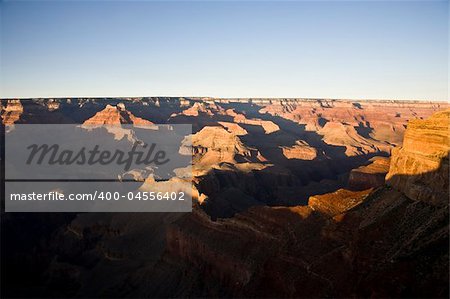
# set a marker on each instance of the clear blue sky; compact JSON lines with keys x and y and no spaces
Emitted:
{"x":341,"y":49}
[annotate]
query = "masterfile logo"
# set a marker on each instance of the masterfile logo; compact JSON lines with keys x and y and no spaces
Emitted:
{"x":53,"y":154}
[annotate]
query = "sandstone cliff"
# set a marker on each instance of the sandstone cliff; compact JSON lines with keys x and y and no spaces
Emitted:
{"x":420,"y":168}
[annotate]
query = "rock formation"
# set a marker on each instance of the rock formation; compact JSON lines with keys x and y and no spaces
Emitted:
{"x":268,"y":126}
{"x":11,"y":112}
{"x":301,"y":150}
{"x":420,"y":168}
{"x":341,"y":134}
{"x":233,"y":128}
{"x":53,"y":105}
{"x":341,"y":201}
{"x":214,"y":145}
{"x":208,"y":108}
{"x":369,"y":176}
{"x":113,"y":115}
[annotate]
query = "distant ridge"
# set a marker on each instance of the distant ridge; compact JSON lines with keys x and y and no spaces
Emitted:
{"x":246,"y":100}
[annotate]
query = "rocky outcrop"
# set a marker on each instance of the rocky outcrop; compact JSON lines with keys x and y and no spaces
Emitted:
{"x":52,"y":105}
{"x":369,"y":176}
{"x":11,"y":112}
{"x":208,"y":108}
{"x":267,"y":125}
{"x":233,"y":128}
{"x":420,"y":168}
{"x":114,"y":115}
{"x":341,"y":134}
{"x":213,"y":145}
{"x":335,"y":203}
{"x":301,"y":150}
{"x":196,"y":109}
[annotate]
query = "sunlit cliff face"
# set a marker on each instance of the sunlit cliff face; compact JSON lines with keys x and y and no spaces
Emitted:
{"x":423,"y":159}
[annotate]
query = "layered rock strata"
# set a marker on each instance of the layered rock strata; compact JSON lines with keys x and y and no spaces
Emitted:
{"x":420,"y":168}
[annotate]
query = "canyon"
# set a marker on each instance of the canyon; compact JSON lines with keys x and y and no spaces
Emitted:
{"x":344,"y":243}
{"x":292,"y":198}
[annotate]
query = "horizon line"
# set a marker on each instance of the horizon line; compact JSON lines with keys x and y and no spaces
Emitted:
{"x":228,"y":98}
